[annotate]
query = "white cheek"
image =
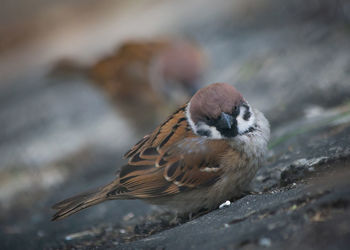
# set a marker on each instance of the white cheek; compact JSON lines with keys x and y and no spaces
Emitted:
{"x":188,"y":116}
{"x":213,"y":131}
{"x":214,"y":134}
{"x":243,"y":125}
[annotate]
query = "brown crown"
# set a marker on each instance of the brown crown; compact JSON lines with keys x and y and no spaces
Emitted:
{"x":214,"y":99}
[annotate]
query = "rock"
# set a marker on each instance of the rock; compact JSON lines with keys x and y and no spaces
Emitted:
{"x":300,"y":169}
{"x":58,"y":140}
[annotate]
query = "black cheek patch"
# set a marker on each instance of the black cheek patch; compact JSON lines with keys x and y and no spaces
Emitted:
{"x":247,"y":115}
{"x":203,"y":132}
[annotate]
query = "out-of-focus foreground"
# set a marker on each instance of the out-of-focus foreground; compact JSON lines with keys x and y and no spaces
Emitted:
{"x":60,"y":134}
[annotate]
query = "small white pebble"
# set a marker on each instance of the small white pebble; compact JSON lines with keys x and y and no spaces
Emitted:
{"x":79,"y":235}
{"x":122,"y":231}
{"x":260,"y":178}
{"x":264,"y":242}
{"x":226,"y":225}
{"x":225,"y":204}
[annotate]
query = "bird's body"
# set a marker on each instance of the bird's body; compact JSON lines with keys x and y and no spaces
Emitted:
{"x":146,"y":79}
{"x":239,"y":166}
{"x":208,"y":151}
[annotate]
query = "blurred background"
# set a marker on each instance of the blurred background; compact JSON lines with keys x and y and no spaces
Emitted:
{"x":81,"y":81}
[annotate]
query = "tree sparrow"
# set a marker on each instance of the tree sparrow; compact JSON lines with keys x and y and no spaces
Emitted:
{"x":146,"y":79}
{"x":206,"y":152}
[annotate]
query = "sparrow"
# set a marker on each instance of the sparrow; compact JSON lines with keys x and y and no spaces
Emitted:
{"x":145,"y":79}
{"x":205,"y":153}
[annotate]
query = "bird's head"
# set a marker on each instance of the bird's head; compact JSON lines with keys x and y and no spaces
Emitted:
{"x":176,"y":71}
{"x":220,"y":111}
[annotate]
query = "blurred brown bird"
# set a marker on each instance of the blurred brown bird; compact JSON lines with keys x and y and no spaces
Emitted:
{"x":148,"y":79}
{"x":206,"y":152}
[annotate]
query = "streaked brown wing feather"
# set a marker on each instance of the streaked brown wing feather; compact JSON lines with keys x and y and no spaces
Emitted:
{"x":193,"y":162}
{"x":136,"y":147}
{"x":171,"y":159}
{"x":150,"y":146}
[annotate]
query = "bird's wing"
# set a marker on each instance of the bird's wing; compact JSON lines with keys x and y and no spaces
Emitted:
{"x":174,"y":129}
{"x":189,"y":163}
{"x":170,"y":160}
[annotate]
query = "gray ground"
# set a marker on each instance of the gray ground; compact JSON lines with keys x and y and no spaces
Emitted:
{"x":291,"y":61}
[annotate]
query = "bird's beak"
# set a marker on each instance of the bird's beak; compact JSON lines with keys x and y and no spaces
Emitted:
{"x":226,"y":121}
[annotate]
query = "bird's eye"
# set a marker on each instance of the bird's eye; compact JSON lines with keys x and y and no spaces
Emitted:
{"x":235,"y":109}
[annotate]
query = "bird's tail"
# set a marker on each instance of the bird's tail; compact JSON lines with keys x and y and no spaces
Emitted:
{"x":81,"y":201}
